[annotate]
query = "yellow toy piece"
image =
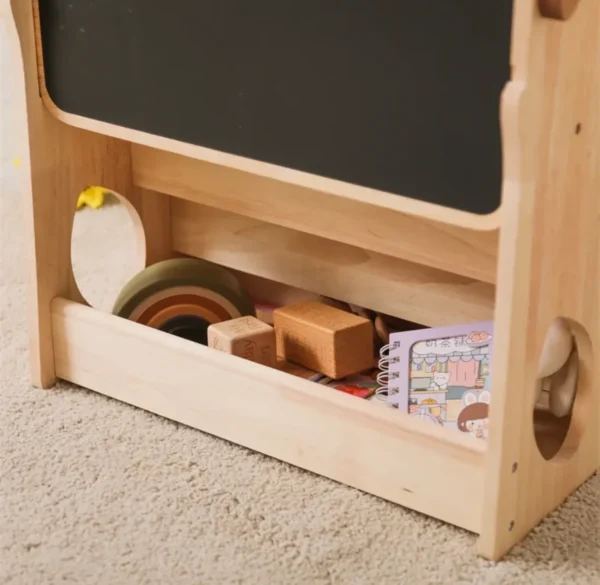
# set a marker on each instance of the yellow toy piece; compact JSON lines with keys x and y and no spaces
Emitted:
{"x":92,"y":197}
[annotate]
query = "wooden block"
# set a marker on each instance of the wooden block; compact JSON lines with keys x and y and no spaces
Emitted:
{"x":324,"y":339}
{"x":245,"y":337}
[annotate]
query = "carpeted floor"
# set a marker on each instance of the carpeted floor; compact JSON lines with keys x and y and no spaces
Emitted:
{"x":94,"y":492}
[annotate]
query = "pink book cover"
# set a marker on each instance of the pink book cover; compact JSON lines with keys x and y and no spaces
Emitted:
{"x":442,"y":375}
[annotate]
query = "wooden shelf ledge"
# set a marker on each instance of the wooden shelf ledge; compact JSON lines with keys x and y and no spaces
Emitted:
{"x":451,"y":248}
{"x":341,"y":437}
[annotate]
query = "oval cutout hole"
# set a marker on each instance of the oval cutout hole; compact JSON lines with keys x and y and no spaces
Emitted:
{"x":107,"y":247}
{"x":558,"y":392}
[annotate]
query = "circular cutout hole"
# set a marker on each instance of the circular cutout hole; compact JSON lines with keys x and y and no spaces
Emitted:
{"x":107,"y":245}
{"x":561,"y":389}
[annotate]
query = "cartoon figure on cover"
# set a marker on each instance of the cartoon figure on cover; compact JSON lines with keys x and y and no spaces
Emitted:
{"x":448,"y":381}
{"x":473,"y":418}
{"x":440,"y":380}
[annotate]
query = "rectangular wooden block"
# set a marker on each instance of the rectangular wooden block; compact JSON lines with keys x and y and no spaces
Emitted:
{"x":323,"y":338}
{"x":245,"y":337}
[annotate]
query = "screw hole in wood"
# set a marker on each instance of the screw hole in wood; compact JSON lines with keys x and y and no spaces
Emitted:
{"x":558,"y":9}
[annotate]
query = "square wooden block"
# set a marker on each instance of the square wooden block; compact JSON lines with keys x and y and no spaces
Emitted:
{"x":245,"y":337}
{"x":325,"y":339}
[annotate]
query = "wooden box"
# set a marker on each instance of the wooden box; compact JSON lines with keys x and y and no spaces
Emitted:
{"x":442,"y":166}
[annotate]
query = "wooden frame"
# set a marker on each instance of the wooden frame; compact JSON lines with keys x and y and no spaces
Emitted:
{"x":535,"y":259}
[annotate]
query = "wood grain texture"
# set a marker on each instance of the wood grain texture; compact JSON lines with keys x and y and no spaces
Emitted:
{"x":558,"y":9}
{"x":368,"y":279}
{"x":271,"y":291}
{"x":320,"y":429}
{"x":364,"y":224}
{"x":548,"y":266}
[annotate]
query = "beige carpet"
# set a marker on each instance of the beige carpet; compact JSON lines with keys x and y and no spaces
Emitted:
{"x":94,"y":492}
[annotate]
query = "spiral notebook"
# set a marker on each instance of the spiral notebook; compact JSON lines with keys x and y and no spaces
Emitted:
{"x":441,"y":375}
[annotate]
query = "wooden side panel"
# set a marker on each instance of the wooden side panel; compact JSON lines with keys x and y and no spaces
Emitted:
{"x":57,"y":162}
{"x":452,"y":248}
{"x":549,"y":265}
{"x":356,"y":442}
{"x":396,"y":287}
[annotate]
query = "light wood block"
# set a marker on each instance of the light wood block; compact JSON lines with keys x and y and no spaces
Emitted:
{"x":324,"y":339}
{"x":245,"y":337}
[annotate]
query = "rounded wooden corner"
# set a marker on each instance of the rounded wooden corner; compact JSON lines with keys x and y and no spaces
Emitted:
{"x":490,"y":221}
{"x":558,"y":9}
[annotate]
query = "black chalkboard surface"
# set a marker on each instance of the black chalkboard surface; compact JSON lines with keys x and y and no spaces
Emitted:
{"x":398,"y":95}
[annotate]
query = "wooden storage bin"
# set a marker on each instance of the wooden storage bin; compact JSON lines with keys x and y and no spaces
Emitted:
{"x":532,"y":260}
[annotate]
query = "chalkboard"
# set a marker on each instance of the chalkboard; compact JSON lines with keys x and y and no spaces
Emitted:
{"x":397,"y":95}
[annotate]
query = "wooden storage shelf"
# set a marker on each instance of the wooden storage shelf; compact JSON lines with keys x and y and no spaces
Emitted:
{"x":534,"y":259}
{"x":314,"y":427}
